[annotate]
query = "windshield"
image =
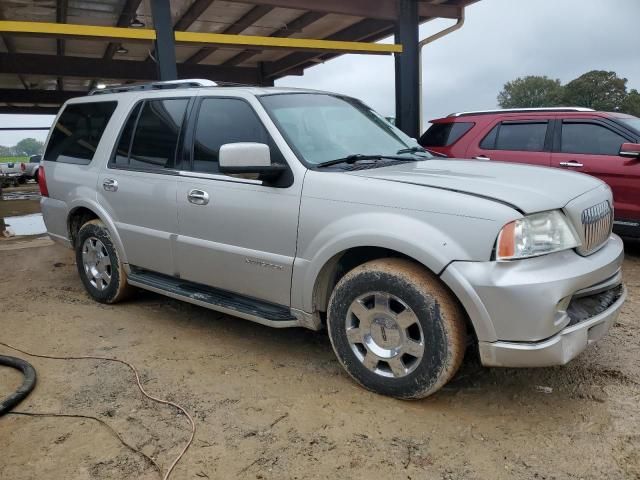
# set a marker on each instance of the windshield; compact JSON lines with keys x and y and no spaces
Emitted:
{"x":630,"y":121}
{"x":322,"y":127}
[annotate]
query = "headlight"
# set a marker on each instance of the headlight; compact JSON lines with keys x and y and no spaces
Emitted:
{"x":534,"y":235}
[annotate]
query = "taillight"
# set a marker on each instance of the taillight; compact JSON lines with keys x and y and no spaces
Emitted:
{"x":42,"y":182}
{"x":23,"y":167}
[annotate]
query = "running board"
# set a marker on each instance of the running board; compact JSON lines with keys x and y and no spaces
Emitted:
{"x":258,"y":311}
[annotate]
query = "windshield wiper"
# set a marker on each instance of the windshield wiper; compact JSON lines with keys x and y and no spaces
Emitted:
{"x":357,"y":157}
{"x":415,"y":149}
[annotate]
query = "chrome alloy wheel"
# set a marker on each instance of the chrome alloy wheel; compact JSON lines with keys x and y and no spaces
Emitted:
{"x":385,"y":334}
{"x":96,"y":263}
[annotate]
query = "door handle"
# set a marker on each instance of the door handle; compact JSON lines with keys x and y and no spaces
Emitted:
{"x":198,"y":197}
{"x":571,"y":164}
{"x":481,"y":157}
{"x":110,"y":185}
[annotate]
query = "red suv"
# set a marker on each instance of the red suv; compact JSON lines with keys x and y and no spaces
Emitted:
{"x":606,"y":145}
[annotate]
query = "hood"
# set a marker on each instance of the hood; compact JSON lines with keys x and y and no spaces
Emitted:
{"x":527,"y":188}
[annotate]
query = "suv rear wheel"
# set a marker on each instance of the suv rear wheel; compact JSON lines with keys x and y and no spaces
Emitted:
{"x":100,"y":268}
{"x":396,"y":328}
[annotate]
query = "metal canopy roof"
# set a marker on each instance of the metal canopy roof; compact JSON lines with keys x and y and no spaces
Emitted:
{"x":38,"y":72}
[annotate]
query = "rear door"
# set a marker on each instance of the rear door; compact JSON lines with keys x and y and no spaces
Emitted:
{"x":525,"y":140}
{"x":243,"y":237}
{"x":138,"y":188}
{"x":591,"y":146}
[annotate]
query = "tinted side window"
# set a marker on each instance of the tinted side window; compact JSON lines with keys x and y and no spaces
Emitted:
{"x":156,"y":137}
{"x":489,"y":142}
{"x":444,"y":134}
{"x":226,"y":120}
{"x":78,"y":131}
{"x":527,"y":137}
{"x":590,"y":138}
{"x":121,"y":157}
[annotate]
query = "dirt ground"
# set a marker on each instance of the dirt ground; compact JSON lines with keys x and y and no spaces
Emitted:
{"x":275,"y":404}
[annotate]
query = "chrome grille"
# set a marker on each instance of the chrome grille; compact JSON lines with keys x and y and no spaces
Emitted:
{"x":597,"y":222}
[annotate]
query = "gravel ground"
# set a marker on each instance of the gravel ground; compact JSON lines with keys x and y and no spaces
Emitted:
{"x":275,"y":404}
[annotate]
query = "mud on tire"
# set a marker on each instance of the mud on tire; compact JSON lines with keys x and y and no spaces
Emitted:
{"x":99,"y":265}
{"x":396,"y":329}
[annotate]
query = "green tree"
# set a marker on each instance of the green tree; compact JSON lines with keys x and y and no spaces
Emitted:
{"x":597,"y":89}
{"x":530,"y":92}
{"x":29,"y":146}
{"x":631,"y":103}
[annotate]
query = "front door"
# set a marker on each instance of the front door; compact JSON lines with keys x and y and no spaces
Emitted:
{"x":138,"y":189}
{"x":592,"y":147}
{"x":235,"y":233}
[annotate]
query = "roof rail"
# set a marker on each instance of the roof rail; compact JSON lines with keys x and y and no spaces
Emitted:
{"x":170,"y":84}
{"x":523,"y":110}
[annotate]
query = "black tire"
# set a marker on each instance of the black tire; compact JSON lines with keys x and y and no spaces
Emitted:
{"x":117,"y":288}
{"x":440,"y":317}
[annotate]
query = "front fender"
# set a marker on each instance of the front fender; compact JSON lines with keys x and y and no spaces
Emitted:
{"x":393,"y":230}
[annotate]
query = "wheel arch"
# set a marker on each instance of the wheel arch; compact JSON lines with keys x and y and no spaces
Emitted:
{"x":82,"y":212}
{"x":342,"y":262}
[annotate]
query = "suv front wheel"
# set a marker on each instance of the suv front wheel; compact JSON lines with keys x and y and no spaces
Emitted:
{"x":396,"y":329}
{"x":99,"y":265}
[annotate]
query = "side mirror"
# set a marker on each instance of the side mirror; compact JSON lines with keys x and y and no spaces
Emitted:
{"x":235,"y":158}
{"x":630,"y":150}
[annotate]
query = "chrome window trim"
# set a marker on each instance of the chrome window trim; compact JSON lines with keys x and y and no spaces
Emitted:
{"x":218,"y":177}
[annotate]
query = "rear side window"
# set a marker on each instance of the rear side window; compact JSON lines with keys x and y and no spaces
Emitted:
{"x":121,"y":158}
{"x":528,"y":137}
{"x":149,"y":140}
{"x":590,"y":138}
{"x":77,"y":133}
{"x":444,"y":134}
{"x":226,"y":120}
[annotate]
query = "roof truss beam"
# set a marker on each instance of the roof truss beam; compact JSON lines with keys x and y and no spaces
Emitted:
{"x":11,"y":48}
{"x":245,"y":21}
{"x":383,"y":9}
{"x":62,"y":8}
{"x":192,"y":14}
{"x":295,"y":26}
{"x":66,"y":30}
{"x":34,"y":110}
{"x":365,"y":30}
{"x":124,"y":20}
{"x":33,"y":64}
{"x":54,"y":97}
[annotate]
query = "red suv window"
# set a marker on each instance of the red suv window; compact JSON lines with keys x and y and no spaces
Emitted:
{"x":589,"y":138}
{"x":444,"y":134}
{"x":518,"y":136}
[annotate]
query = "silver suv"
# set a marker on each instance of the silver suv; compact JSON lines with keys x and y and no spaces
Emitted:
{"x":297,"y":208}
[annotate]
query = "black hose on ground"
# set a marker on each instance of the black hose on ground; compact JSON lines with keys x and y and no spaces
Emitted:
{"x":28,"y":383}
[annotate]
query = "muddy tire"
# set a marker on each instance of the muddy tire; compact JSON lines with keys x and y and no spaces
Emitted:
{"x":396,"y":329}
{"x":99,"y":265}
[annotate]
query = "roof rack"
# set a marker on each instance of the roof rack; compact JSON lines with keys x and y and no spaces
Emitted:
{"x":171,"y":84}
{"x":523,"y":110}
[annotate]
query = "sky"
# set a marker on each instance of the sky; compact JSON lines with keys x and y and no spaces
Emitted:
{"x":500,"y":41}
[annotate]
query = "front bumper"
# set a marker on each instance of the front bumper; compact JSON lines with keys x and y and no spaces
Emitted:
{"x":557,"y":350}
{"x":524,"y":311}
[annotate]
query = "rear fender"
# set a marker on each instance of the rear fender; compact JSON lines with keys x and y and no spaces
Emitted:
{"x":106,"y":219}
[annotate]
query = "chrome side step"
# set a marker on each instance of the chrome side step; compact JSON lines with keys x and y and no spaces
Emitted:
{"x":269,"y":314}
